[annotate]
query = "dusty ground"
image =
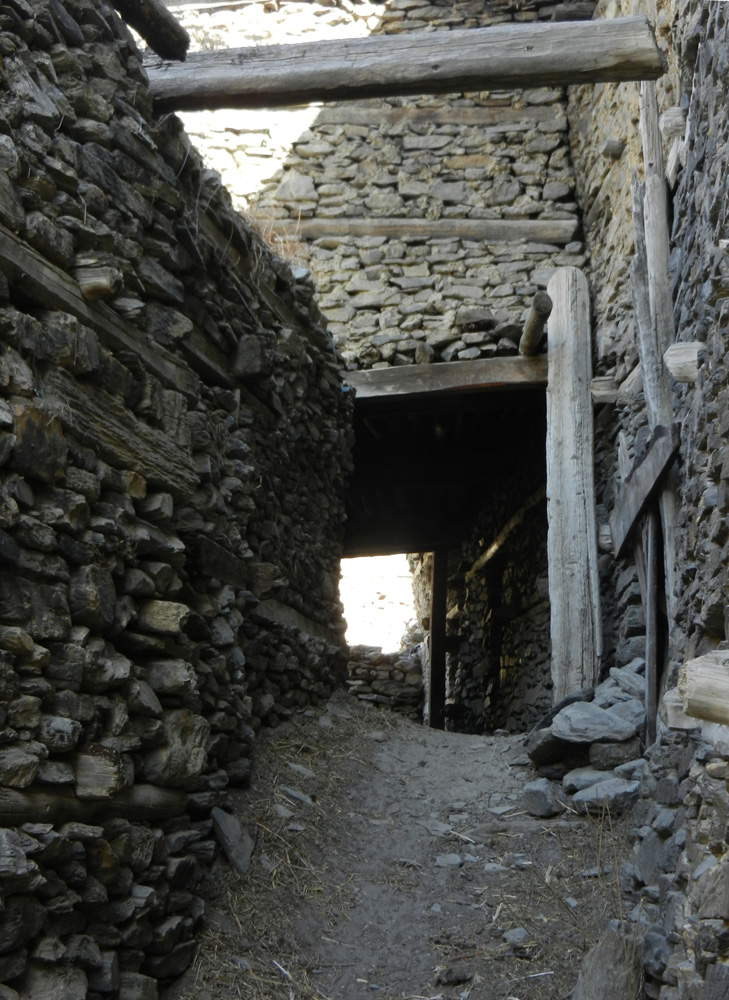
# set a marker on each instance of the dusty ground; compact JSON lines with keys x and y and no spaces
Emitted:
{"x":358,"y":893}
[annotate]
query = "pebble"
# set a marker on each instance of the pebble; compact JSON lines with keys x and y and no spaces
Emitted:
{"x":448,"y":861}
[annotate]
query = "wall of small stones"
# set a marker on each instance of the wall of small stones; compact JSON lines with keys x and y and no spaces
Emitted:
{"x":171,"y":471}
{"x":497,"y":155}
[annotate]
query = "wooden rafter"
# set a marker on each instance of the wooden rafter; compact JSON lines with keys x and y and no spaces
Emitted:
{"x":502,"y":56}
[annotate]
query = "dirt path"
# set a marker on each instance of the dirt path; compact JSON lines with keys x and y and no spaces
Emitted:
{"x":395,"y":861}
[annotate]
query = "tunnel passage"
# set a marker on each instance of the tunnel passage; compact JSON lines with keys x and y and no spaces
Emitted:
{"x":444,"y":458}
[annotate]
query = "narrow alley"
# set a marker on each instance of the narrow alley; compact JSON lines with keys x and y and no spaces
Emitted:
{"x":396,"y":861}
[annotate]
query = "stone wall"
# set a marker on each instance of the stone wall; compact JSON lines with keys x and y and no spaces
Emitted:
{"x":477,"y":156}
{"x":172,"y":456}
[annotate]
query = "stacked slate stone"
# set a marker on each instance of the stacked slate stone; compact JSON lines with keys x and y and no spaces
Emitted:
{"x":675,"y":886}
{"x":408,"y":299}
{"x":171,"y":469}
{"x":588,"y":755}
{"x":394,"y":680}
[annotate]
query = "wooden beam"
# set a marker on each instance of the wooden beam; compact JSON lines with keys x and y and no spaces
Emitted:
{"x":411,"y":382}
{"x":703,"y":683}
{"x":642,"y":484}
{"x":536,"y":324}
{"x":502,"y":56}
{"x":556,"y":231}
{"x":496,"y":115}
{"x":682,"y":360}
{"x":438,"y":609}
{"x":511,"y":525}
{"x":50,"y":287}
{"x":574,"y":585}
{"x":160,"y":30}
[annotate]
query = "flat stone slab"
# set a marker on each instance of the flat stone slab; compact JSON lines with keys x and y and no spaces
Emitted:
{"x":581,"y":778}
{"x":616,"y":794}
{"x":585,"y":722}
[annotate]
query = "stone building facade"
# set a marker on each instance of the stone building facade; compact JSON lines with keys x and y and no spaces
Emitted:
{"x":173,"y":450}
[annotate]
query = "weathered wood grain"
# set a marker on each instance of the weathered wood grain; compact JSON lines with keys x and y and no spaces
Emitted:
{"x":160,"y":30}
{"x":452,"y":377}
{"x":536,"y":324}
{"x":556,"y":231}
{"x":574,"y":586}
{"x":502,"y":56}
{"x":703,"y":684}
{"x":103,"y":422}
{"x":641,"y":485}
{"x":682,"y":360}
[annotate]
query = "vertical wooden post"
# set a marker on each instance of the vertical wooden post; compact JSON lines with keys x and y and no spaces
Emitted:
{"x":574,"y":588}
{"x":652,"y":533}
{"x":653,"y":246}
{"x":438,"y":609}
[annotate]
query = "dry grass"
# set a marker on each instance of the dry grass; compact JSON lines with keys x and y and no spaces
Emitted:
{"x":264,"y":937}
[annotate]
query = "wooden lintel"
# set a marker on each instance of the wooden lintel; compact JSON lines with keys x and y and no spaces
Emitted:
{"x":555,"y":231}
{"x":448,"y":378}
{"x":502,"y":56}
{"x":50,"y":287}
{"x":161,"y":31}
{"x":642,"y":484}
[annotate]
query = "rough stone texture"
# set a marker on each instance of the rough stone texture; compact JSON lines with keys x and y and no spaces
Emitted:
{"x":153,"y":493}
{"x":499,"y":155}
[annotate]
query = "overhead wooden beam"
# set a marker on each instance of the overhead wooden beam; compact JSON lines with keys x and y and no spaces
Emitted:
{"x":451,"y":378}
{"x":502,"y":56}
{"x":574,"y":584}
{"x":642,"y":483}
{"x":555,"y":231}
{"x":161,"y":31}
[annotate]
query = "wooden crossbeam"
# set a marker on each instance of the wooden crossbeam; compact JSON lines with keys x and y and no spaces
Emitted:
{"x":642,"y":483}
{"x":454,"y":377}
{"x":502,"y":56}
{"x":554,"y":231}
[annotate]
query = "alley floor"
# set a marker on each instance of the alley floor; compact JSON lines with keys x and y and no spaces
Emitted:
{"x":393,"y":861}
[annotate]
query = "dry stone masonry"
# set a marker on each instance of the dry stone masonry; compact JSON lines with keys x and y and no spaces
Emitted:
{"x":173,"y":449}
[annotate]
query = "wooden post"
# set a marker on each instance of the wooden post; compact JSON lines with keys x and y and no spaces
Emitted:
{"x":438,"y":609}
{"x":574,"y":590}
{"x":652,"y":241}
{"x":536,"y":323}
{"x":652,"y":544}
{"x":502,"y":56}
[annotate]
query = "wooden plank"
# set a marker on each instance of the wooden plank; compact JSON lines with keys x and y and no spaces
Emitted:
{"x":556,"y":231}
{"x":502,"y":56}
{"x":103,"y":422}
{"x":353,"y":114}
{"x":642,"y":483}
{"x":536,"y":324}
{"x":448,"y":378}
{"x":50,"y":287}
{"x":574,"y":586}
{"x":438,"y":609}
{"x":652,"y":545}
{"x":160,"y":30}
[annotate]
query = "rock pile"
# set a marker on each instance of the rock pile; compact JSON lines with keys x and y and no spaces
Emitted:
{"x":589,"y":754}
{"x":391,"y":679}
{"x":173,"y":447}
